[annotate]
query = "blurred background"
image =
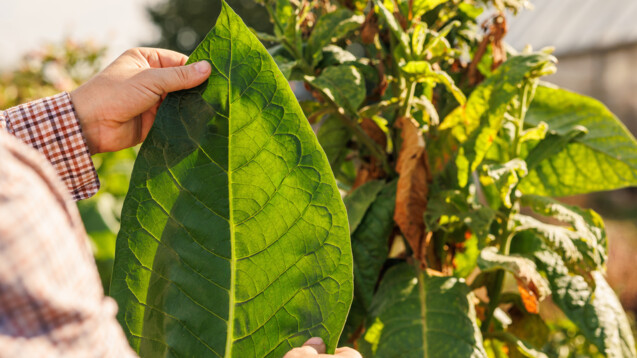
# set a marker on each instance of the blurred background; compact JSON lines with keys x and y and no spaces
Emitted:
{"x":47,"y":47}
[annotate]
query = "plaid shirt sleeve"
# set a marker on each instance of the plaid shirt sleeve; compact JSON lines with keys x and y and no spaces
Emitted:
{"x":51,"y":300}
{"x":50,"y":125}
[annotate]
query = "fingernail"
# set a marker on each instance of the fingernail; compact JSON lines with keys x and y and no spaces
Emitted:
{"x":202,"y":66}
{"x":314,"y":341}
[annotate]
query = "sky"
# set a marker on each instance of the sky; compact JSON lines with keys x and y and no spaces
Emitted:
{"x":28,"y":24}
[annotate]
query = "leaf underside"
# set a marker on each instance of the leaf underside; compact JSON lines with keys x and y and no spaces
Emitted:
{"x":234,"y":237}
{"x":603,"y":159}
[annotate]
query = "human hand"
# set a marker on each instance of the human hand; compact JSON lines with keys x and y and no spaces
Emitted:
{"x":315,"y":348}
{"x":117,"y":107}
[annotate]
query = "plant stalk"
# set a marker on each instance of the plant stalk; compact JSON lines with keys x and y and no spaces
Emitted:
{"x":406,"y":108}
{"x":494,"y":301}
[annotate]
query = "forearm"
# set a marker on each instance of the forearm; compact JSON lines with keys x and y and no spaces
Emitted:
{"x":50,"y":125}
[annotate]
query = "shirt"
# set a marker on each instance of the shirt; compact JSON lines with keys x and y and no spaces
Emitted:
{"x":51,"y":301}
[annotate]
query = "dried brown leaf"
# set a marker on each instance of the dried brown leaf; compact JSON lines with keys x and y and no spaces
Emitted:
{"x":369,"y":29}
{"x":411,"y":193}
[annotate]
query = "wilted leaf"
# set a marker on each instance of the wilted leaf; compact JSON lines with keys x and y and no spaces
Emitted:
{"x":596,"y":311}
{"x":413,"y":186}
{"x":234,"y":239}
{"x":603,"y":159}
{"x":331,"y":27}
{"x":417,"y":316}
{"x":533,"y":286}
{"x":344,"y":85}
{"x":369,"y":30}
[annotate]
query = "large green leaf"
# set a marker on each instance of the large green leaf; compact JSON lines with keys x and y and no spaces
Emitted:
{"x":603,"y":159}
{"x":596,"y":311}
{"x":417,"y":316}
{"x":234,"y":239}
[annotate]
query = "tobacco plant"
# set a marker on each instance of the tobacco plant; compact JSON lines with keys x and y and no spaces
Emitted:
{"x":447,"y":148}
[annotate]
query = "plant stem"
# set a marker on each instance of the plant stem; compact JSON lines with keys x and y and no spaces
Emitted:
{"x":406,"y":108}
{"x":494,"y":301}
{"x":505,"y":246}
{"x":520,"y":119}
{"x":273,"y":18}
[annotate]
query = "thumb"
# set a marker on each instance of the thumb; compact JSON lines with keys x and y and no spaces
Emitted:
{"x":177,"y":78}
{"x":316,"y":343}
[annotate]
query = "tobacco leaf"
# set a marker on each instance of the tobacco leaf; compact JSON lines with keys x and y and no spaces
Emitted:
{"x":601,"y":157}
{"x":413,"y":187}
{"x":417,"y":316}
{"x":234,"y":239}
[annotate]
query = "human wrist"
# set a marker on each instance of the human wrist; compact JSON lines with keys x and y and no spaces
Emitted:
{"x":84,"y":111}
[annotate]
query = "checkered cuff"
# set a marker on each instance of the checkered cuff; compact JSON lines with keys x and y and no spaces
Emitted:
{"x":50,"y":125}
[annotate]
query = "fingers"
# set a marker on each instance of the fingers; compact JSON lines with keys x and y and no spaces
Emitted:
{"x":311,"y":348}
{"x":161,"y":58}
{"x":316,"y":343}
{"x":177,"y":78}
{"x":347,"y":352}
{"x":315,"y":347}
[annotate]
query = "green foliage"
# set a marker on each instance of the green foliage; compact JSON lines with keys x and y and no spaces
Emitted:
{"x":234,"y":238}
{"x":494,"y":147}
{"x":425,"y":121}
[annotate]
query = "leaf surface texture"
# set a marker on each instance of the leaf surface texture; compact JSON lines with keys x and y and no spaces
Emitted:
{"x":234,"y":237}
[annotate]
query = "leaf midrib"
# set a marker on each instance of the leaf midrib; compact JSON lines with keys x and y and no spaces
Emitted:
{"x":423,"y":311}
{"x":230,"y":332}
